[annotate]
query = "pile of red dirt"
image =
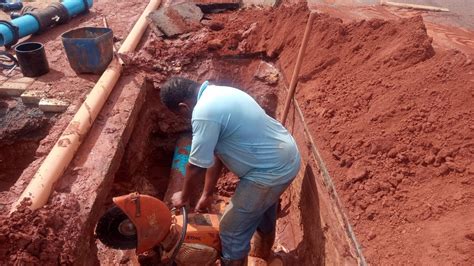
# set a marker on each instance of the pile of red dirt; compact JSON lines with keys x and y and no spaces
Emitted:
{"x":40,"y":236}
{"x":394,"y":120}
{"x":391,"y":115}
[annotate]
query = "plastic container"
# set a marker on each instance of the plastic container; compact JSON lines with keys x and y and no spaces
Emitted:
{"x":89,"y":49}
{"x":32,"y":59}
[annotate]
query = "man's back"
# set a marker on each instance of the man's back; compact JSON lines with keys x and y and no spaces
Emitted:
{"x":248,"y":141}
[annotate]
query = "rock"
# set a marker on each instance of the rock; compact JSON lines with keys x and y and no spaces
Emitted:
{"x":443,"y":153}
{"x":215,"y":44}
{"x":393,"y":182}
{"x":380,"y":145}
{"x":455,"y":167}
{"x":402,"y":158}
{"x":470,"y":236}
{"x":371,"y":215}
{"x":443,"y":170}
{"x":399,"y":178}
{"x":216,"y":26}
{"x":470,"y":168}
{"x":373,"y":188}
{"x":357,"y":173}
{"x":177,"y":19}
{"x":392,"y":153}
{"x":363,"y":204}
{"x":267,"y":73}
{"x":213,"y":25}
{"x":429,"y":159}
{"x":371,"y":235}
{"x":215,"y":6}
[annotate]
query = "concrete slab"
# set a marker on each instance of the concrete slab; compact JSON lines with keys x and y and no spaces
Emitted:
{"x":214,"y":6}
{"x":32,"y":96}
{"x":52,"y":105}
{"x":176,"y":19}
{"x":15,"y":86}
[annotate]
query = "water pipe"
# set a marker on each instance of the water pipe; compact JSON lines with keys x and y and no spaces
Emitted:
{"x":40,"y":20}
{"x":41,"y":186}
{"x":178,"y":167}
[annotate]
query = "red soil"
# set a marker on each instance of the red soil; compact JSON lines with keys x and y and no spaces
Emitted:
{"x":393,"y":118}
{"x":391,"y":115}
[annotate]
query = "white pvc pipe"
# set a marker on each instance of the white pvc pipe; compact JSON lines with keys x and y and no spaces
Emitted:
{"x":58,"y":159}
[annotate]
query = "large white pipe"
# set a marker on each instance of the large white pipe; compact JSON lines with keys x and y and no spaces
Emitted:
{"x":58,"y":159}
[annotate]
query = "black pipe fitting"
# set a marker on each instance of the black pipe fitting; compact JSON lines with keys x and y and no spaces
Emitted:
{"x":86,"y":6}
{"x":54,"y":14}
{"x":24,"y":10}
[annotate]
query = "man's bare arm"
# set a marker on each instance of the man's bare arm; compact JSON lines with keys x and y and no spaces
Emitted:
{"x":212,"y":175}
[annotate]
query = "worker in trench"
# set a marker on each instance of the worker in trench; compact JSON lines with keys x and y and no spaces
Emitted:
{"x":231,"y":129}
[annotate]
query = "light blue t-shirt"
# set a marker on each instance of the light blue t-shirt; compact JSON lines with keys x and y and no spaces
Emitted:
{"x":229,"y":123}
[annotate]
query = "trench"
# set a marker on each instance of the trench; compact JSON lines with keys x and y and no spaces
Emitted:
{"x":146,"y":164}
{"x":22,"y":128}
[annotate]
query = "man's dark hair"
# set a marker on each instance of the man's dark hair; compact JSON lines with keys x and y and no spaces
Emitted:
{"x":176,"y":90}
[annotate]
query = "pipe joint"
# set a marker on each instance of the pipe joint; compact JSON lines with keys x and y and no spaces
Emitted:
{"x":54,"y":14}
{"x":86,"y":6}
{"x":14,"y":30}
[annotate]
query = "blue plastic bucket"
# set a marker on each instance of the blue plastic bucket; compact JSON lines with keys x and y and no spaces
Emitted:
{"x":89,"y":49}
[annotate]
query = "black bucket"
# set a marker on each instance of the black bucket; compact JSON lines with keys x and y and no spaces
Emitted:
{"x":32,"y":59}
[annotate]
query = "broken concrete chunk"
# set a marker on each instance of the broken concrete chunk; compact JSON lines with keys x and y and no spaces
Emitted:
{"x":267,"y":73}
{"x":32,"y":96}
{"x":156,"y":30}
{"x":176,"y":19}
{"x":215,"y":6}
{"x":53,"y":105}
{"x":15,"y":86}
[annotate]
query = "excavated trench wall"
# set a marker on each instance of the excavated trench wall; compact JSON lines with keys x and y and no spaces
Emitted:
{"x":21,"y":130}
{"x":310,"y":227}
{"x":133,"y":143}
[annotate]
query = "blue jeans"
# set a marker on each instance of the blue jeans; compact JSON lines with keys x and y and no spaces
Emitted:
{"x":253,"y":206}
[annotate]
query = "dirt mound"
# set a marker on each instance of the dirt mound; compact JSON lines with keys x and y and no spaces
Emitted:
{"x":392,"y":116}
{"x":37,"y":237}
{"x":394,"y":120}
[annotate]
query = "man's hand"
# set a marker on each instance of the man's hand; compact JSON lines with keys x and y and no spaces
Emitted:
{"x":178,"y":200}
{"x":204,"y":203}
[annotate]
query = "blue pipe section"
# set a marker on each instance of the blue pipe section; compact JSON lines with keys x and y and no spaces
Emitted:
{"x":76,"y":7}
{"x":180,"y":159}
{"x":28,"y":24}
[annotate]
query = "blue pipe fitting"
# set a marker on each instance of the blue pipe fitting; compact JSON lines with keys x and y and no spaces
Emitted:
{"x":181,"y":155}
{"x":11,"y":32}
